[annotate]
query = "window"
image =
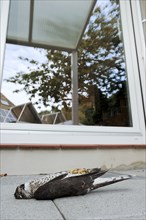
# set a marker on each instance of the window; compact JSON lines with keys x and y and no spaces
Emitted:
{"x":109,"y":95}
{"x":102,"y":77}
{"x":6,"y":116}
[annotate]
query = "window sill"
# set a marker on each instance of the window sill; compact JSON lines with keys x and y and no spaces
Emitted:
{"x":72,"y":146}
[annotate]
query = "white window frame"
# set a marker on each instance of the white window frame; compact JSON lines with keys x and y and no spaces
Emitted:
{"x":73,"y":134}
{"x":141,"y":45}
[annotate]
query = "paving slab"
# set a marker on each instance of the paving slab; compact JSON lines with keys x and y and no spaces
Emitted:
{"x":122,"y":201}
{"x":125,"y":201}
{"x":13,"y":209}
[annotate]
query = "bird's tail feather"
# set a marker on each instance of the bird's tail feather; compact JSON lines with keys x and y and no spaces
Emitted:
{"x":100,"y":182}
{"x":95,"y":174}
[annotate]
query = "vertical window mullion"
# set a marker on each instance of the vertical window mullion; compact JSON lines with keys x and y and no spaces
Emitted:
{"x":74,"y":81}
{"x":4,"y":12}
{"x":137,"y":8}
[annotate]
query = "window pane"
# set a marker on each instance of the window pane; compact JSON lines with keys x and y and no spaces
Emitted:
{"x":103,"y":82}
{"x":18,"y":26}
{"x":143,"y":13}
{"x":33,"y":22}
{"x":42,"y":78}
{"x":65,"y":28}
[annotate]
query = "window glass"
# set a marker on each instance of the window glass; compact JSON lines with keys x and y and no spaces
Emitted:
{"x":143,"y":13}
{"x":43,"y":77}
{"x":48,"y":23}
{"x":103,"y":82}
{"x":6,"y":116}
{"x":19,"y":19}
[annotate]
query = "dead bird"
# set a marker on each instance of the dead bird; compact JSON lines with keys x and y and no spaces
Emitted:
{"x":66,"y":183}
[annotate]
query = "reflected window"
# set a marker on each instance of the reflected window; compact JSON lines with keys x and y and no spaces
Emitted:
{"x":43,"y":76}
{"x":6,"y":116}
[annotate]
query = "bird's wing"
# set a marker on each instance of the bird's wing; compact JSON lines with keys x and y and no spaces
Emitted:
{"x":100,"y":182}
{"x":68,"y":186}
{"x":75,"y":185}
{"x":32,"y":185}
{"x":90,"y":177}
{"x":61,"y":176}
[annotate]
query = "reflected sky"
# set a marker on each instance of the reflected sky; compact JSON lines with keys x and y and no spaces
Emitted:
{"x":12,"y":65}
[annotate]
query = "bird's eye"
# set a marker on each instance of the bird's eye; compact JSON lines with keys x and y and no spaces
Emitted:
{"x":22,"y":186}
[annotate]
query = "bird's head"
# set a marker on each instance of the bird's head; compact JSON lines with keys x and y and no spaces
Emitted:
{"x":21,"y":193}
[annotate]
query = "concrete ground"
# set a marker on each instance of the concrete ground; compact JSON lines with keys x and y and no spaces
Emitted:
{"x":121,"y":201}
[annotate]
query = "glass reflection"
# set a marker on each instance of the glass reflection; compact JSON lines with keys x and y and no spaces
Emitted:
{"x":103,"y":82}
{"x":41,"y":79}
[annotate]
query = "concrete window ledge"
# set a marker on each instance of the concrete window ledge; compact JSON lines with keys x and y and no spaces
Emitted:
{"x":30,"y":158}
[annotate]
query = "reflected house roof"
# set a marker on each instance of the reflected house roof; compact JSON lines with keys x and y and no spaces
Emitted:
{"x":57,"y":24}
{"x":54,"y":118}
{"x":26,"y":113}
{"x":5,"y":103}
{"x":5,"y":114}
{"x":20,"y":113}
